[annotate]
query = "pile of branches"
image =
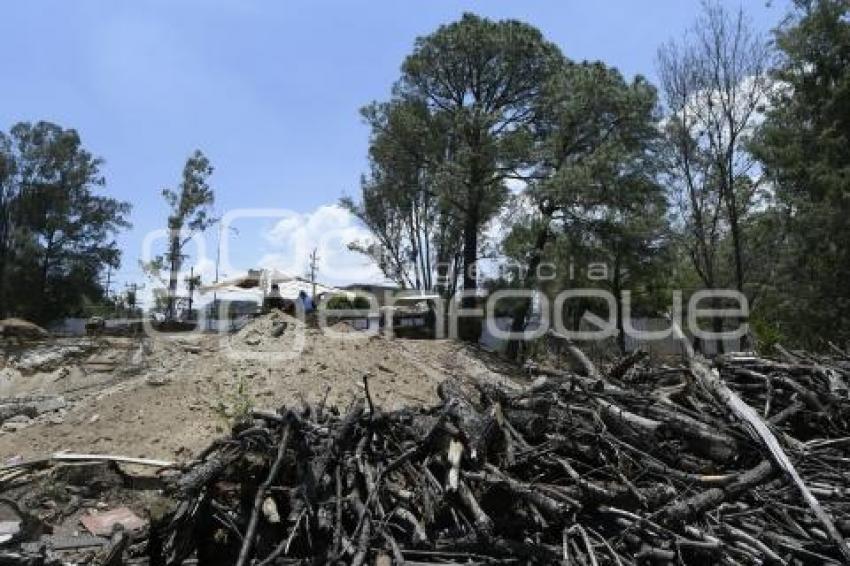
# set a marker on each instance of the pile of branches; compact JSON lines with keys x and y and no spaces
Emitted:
{"x":742,"y":462}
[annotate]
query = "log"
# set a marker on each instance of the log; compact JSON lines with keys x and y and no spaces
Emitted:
{"x":710,"y":379}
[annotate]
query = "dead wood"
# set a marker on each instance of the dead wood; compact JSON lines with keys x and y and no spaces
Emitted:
{"x":740,"y":463}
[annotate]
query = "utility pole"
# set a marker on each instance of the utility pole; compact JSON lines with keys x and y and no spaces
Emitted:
{"x":314,"y":268}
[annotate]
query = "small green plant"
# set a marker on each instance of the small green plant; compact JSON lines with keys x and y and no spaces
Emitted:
{"x":235,"y":406}
{"x":339,"y":302}
{"x":767,"y":334}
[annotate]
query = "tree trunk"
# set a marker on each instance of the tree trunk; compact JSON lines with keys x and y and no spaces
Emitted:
{"x":5,"y":219}
{"x":732,"y":211}
{"x":520,"y":314}
{"x":717,"y":325}
{"x":174,"y":261}
{"x":4,"y":254}
{"x":470,"y":329}
{"x":618,"y":294}
{"x":45,"y":268}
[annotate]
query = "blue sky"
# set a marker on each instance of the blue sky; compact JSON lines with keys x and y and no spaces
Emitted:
{"x":270,"y":91}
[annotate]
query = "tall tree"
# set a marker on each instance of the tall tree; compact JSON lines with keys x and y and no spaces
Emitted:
{"x":714,"y":83}
{"x":484,"y":77}
{"x":804,"y":147}
{"x":190,"y":205}
{"x":401,"y":199}
{"x":57,"y":232}
{"x":594,"y":170}
{"x":8,"y":198}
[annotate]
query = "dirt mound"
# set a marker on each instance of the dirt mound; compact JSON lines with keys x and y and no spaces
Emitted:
{"x":167,"y":396}
{"x":342,"y":327}
{"x":19,"y":328}
{"x":267,"y":332}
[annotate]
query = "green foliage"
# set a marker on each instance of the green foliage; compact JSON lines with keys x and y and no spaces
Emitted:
{"x":56,"y":229}
{"x":400,"y":200}
{"x":190,"y":212}
{"x":804,"y":146}
{"x":705,"y":196}
{"x":234,"y":406}
{"x":458,"y":127}
{"x":594,"y":194}
{"x":342,"y":302}
{"x":190,"y":204}
{"x":339,"y":302}
{"x":767,"y":334}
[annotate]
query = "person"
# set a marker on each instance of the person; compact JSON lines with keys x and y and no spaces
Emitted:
{"x":306,"y":301}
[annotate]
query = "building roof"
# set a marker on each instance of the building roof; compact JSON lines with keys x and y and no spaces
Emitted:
{"x":258,"y":282}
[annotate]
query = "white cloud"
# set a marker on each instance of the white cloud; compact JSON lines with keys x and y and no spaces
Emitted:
{"x":284,"y":246}
{"x":328,"y":229}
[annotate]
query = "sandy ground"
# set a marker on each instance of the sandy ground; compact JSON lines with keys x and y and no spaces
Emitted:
{"x":168,"y":397}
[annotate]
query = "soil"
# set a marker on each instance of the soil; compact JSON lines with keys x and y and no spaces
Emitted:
{"x":168,"y":396}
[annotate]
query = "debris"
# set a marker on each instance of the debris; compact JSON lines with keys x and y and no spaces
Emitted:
{"x":270,"y":510}
{"x":21,"y":329}
{"x":738,"y":462}
{"x":157,"y":380}
{"x":11,"y":410}
{"x":69,"y":457}
{"x":50,"y":356}
{"x":8,"y":529}
{"x":103,"y":524}
{"x":16,"y":423}
{"x":22,"y":409}
{"x":656,"y":469}
{"x":60,"y":542}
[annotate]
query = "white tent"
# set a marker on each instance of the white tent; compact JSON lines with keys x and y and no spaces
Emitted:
{"x":260,"y":281}
{"x":291,"y":289}
{"x":256,"y":279}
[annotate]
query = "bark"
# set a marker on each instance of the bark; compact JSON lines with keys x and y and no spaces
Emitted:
{"x":470,"y":328}
{"x":520,"y":315}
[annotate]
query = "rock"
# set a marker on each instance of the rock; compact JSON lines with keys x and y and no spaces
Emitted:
{"x":55,"y":419}
{"x":9,"y":375}
{"x":49,"y":357}
{"x":10,"y":410}
{"x":95,"y":476}
{"x":13,"y":427}
{"x":61,"y":373}
{"x":19,"y":328}
{"x":50,"y":404}
{"x":30,"y":406}
{"x":19,"y":419}
{"x":270,"y":510}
